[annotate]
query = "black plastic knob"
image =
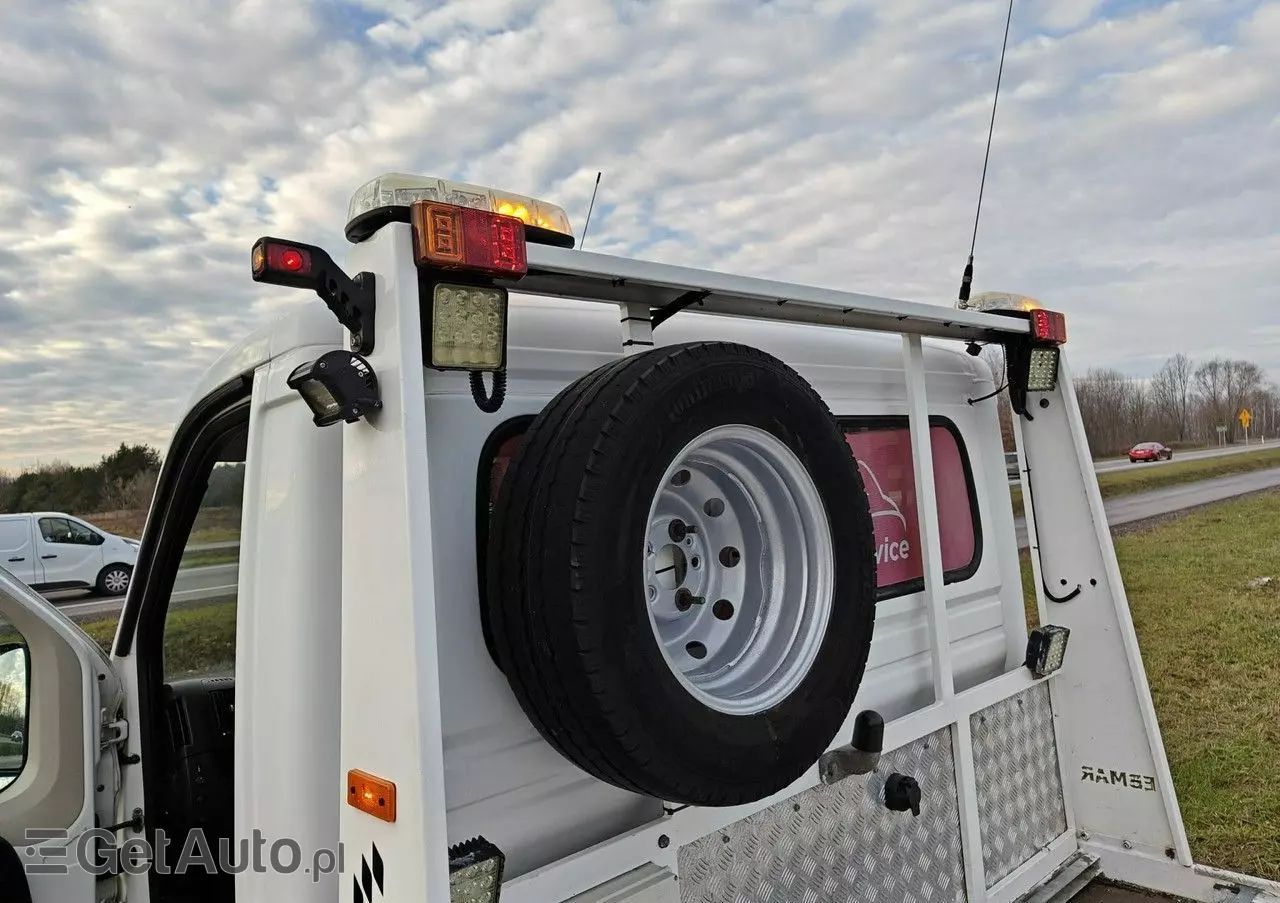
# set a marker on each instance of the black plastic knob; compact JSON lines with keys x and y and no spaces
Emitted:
{"x":868,"y":732}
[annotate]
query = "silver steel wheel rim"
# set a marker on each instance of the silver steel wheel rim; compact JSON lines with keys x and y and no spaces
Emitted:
{"x":739,"y":604}
{"x":116,"y":580}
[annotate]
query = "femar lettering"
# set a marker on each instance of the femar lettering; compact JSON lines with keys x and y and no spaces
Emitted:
{"x":1098,"y":775}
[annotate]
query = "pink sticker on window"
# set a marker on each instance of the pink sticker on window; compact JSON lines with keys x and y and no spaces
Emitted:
{"x":884,"y":459}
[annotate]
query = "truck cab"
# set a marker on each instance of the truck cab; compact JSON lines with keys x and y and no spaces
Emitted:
{"x":564,"y":577}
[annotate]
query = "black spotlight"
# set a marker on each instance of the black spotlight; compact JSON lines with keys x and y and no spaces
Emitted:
{"x":338,"y":385}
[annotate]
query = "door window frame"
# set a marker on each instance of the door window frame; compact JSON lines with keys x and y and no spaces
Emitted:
{"x":180,"y":488}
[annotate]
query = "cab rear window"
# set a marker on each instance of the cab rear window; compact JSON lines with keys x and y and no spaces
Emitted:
{"x":882,"y":447}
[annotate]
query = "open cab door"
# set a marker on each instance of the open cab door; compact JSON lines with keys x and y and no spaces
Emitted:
{"x":59,"y":772}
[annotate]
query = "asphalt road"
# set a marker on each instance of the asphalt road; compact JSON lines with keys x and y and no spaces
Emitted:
{"x":1123,"y":463}
{"x":1126,"y":509}
{"x":194,"y":585}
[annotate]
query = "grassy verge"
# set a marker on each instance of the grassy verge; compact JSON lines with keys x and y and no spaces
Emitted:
{"x":212,"y":524}
{"x":1143,"y":479}
{"x":1209,"y":638}
{"x":205,"y":559}
{"x":9,"y":748}
{"x":197,"y":639}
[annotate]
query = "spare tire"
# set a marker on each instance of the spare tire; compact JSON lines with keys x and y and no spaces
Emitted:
{"x":680,"y":578}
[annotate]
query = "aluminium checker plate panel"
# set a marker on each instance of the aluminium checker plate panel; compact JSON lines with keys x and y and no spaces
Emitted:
{"x":839,"y":844}
{"x":1020,"y":796}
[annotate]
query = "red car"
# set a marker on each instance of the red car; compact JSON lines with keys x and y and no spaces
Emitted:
{"x":1150,"y":451}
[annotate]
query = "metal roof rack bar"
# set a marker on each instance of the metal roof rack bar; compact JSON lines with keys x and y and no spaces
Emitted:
{"x":601,"y":277}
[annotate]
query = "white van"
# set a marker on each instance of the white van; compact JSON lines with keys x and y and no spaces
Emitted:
{"x":50,"y":550}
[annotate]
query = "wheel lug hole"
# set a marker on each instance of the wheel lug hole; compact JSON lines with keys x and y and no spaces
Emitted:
{"x":730,"y":557}
{"x":695,"y":562}
{"x":653,"y":592}
{"x":696,"y":649}
{"x":723,"y":609}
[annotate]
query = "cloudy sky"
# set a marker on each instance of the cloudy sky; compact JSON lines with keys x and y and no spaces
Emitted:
{"x":145,"y":144}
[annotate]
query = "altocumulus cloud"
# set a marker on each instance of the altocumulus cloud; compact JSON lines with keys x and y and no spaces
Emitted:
{"x":146,"y":144}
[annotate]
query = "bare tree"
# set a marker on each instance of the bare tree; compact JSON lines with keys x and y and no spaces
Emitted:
{"x":1212,"y":391}
{"x":1172,"y":397}
{"x":1244,"y":380}
{"x":1140,"y":410}
{"x":1104,"y":397}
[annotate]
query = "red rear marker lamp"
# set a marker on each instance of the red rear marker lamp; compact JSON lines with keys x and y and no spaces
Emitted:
{"x":276,"y":261}
{"x":475,"y":872}
{"x":1048,"y":326}
{"x":1046,"y":649}
{"x":449,"y":237}
{"x":337,"y":386}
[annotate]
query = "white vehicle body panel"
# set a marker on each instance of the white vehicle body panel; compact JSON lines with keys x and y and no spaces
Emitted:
{"x":499,"y":772}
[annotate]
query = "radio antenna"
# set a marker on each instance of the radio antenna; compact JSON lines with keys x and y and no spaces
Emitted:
{"x":966,"y":281}
{"x":591,"y":207}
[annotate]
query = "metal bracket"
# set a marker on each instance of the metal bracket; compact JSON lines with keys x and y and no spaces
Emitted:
{"x":671,"y":308}
{"x":352,"y":302}
{"x":114,"y":733}
{"x":134,"y":824}
{"x":861,"y":756}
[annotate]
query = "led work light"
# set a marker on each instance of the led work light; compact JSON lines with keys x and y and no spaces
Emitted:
{"x":337,"y":386}
{"x":1046,"y":649}
{"x":475,"y":872}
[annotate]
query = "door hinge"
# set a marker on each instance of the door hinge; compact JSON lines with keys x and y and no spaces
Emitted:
{"x":114,"y":733}
{"x":134,"y":824}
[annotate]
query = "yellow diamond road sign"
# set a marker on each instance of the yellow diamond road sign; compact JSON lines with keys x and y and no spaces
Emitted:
{"x":1245,"y":418}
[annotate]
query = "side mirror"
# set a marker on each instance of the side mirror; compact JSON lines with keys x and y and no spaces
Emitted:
{"x":14,"y":689}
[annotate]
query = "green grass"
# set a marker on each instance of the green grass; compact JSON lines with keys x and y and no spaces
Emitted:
{"x":197,"y":639}
{"x":213,"y":534}
{"x":1144,"y":479}
{"x":1209,"y":644}
{"x":9,"y":748}
{"x":205,"y":559}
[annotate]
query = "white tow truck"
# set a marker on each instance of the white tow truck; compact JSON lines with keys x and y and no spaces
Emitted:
{"x":568,"y":578}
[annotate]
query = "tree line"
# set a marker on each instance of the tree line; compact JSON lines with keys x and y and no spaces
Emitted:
{"x":1184,"y":403}
{"x":123,"y":479}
